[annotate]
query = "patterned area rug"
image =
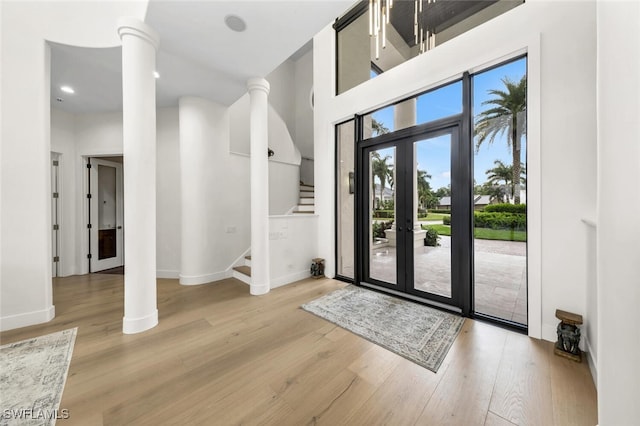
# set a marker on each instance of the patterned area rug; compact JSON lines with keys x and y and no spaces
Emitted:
{"x":32,"y":378}
{"x":416,"y":332}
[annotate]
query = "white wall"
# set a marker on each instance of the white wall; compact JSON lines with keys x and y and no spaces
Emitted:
{"x":281,"y":93}
{"x":284,"y":187}
{"x":618,"y":229}
{"x":560,"y":39}
{"x":290,"y":240}
{"x":215,"y":193}
{"x":25,"y":276}
{"x":168,"y":193}
{"x":303,"y":134}
{"x":63,"y":141}
{"x":77,"y":136}
{"x":96,"y":135}
{"x":284,"y":166}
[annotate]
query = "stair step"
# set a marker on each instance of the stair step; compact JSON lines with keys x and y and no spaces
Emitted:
{"x":303,"y":212}
{"x":242,"y":273}
{"x":246,"y":270}
{"x":248,"y":257}
{"x":305,"y":208}
{"x":307,"y":201}
{"x":307,"y":194}
{"x":307,"y":187}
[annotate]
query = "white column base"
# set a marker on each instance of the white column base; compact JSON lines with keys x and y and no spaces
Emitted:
{"x":258,"y":290}
{"x":138,"y":325}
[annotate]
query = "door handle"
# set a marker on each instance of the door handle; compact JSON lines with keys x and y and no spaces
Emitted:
{"x":119,"y":227}
{"x":399,"y":229}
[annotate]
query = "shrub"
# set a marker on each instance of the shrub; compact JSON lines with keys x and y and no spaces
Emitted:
{"x":446,"y":220}
{"x":506,"y":208}
{"x":493,"y":220}
{"x":377,"y":229}
{"x":431,"y":238}
{"x":383,"y":214}
{"x":441,"y":211}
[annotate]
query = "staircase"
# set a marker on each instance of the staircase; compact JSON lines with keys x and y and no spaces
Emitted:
{"x":306,"y":205}
{"x":243,"y":272}
{"x":306,"y":202}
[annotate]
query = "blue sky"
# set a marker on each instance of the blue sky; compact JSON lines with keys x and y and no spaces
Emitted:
{"x":434,"y":154}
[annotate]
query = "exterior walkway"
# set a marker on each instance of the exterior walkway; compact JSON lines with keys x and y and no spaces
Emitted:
{"x":500,"y":274}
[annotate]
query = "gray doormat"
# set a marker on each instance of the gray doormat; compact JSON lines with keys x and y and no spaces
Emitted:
{"x":417,"y":332}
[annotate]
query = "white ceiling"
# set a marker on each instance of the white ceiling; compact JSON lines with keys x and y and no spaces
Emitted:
{"x":199,"y":55}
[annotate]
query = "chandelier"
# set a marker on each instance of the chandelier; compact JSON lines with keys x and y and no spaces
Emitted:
{"x":424,"y":38}
{"x":379,"y":18}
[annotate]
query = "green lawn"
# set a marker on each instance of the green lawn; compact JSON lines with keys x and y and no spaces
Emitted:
{"x":433,"y":216}
{"x":484,"y":233}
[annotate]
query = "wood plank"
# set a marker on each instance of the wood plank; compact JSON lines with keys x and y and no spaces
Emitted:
{"x":222,"y":356}
{"x":495,"y":420}
{"x":522,"y":393}
{"x":573,"y":391}
{"x":463,"y":395}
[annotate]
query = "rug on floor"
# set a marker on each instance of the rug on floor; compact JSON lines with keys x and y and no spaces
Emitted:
{"x":32,"y":378}
{"x":417,"y":332}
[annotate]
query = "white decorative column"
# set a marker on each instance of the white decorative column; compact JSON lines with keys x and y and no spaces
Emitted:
{"x":139,"y":45}
{"x":259,"y":135}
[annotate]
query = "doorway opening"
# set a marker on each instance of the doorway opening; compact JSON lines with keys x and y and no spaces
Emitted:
{"x":440,"y":196}
{"x":105,"y":226}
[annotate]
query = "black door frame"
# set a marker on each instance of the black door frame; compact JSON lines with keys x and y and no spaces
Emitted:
{"x":462,"y":203}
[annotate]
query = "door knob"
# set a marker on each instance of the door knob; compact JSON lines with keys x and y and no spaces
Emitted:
{"x":119,"y":227}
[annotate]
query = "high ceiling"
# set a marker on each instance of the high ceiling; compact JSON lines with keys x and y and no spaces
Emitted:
{"x":438,"y":16}
{"x":199,"y":55}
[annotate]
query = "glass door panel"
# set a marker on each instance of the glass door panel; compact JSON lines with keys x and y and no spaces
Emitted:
{"x":106,"y":234}
{"x":383,"y":254}
{"x":407,"y":236}
{"x":432,"y":215}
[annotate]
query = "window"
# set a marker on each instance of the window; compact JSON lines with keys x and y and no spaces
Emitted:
{"x":393,"y":32}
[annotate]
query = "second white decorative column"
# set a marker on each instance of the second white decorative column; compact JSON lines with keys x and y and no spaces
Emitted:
{"x":139,"y":45}
{"x":259,"y":135}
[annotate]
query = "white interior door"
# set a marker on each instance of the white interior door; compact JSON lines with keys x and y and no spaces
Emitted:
{"x":106,"y":215}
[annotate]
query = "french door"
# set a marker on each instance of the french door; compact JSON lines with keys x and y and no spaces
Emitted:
{"x":397,"y":252}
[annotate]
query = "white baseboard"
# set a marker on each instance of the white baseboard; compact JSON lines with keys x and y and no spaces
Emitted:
{"x":593,"y":361}
{"x":204,"y":279}
{"x":169,"y":274}
{"x":28,"y":318}
{"x":138,"y":325}
{"x":549,"y":332}
{"x":291,"y":278}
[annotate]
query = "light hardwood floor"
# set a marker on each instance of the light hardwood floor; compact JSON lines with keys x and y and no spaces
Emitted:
{"x":221,"y":357}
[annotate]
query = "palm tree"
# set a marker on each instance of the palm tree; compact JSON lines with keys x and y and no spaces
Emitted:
{"x":381,"y":170}
{"x":378,"y":128}
{"x":501,"y":172}
{"x":424,"y":189}
{"x":506,"y":115}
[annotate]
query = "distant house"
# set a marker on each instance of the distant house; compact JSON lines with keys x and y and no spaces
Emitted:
{"x":387,"y":194}
{"x":444,"y":203}
{"x":479,"y":202}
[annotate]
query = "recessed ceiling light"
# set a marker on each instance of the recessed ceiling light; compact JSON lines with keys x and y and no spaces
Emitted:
{"x":67,"y":89}
{"x":156,"y":74}
{"x":235,"y":23}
